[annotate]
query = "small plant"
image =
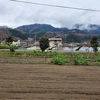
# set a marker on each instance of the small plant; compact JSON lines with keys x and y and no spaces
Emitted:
{"x":18,"y":53}
{"x":86,"y":61}
{"x":80,"y":60}
{"x":59,"y":60}
{"x":31,"y":63}
{"x":97,"y":63}
{"x":97,"y":59}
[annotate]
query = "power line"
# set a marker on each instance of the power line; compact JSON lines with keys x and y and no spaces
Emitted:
{"x":66,"y":7}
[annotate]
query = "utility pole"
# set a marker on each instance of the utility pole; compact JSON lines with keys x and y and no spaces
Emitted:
{"x":35,"y":37}
{"x":0,"y":37}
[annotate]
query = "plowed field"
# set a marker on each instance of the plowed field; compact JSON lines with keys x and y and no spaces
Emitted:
{"x":49,"y":82}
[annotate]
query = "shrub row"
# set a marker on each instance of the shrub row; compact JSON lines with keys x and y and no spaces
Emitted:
{"x":8,"y":47}
{"x":77,"y":59}
{"x":60,"y":58}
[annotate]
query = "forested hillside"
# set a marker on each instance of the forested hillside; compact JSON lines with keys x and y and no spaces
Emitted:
{"x":77,"y":34}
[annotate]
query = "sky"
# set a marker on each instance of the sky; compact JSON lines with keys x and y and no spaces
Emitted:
{"x":14,"y":14}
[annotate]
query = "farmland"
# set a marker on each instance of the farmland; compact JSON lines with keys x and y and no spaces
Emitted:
{"x":21,"y":81}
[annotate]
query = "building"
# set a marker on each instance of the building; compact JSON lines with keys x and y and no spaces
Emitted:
{"x":55,"y":42}
{"x":17,"y":43}
{"x":30,"y":41}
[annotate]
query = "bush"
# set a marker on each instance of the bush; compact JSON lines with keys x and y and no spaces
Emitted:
{"x":59,"y":60}
{"x":12,"y":50}
{"x":97,"y":61}
{"x":2,"y":46}
{"x":80,"y":60}
{"x":14,"y":46}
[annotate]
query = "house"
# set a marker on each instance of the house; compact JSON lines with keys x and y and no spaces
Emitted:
{"x":30,"y":41}
{"x":55,"y":42}
{"x":17,"y":43}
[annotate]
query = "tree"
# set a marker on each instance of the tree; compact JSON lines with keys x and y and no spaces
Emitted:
{"x":44,"y":43}
{"x":73,"y":38}
{"x":9,"y":40}
{"x":94,"y":43}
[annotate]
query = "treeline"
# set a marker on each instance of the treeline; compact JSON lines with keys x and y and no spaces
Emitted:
{"x":76,"y":38}
{"x":66,"y":37}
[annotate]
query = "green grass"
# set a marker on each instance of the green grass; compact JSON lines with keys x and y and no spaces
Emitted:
{"x":59,"y":57}
{"x":2,"y":46}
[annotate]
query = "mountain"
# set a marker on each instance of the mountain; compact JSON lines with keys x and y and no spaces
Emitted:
{"x":90,"y":28}
{"x":6,"y":31}
{"x":47,"y":30}
{"x":41,"y":28}
{"x":78,"y":33}
{"x":3,"y":33}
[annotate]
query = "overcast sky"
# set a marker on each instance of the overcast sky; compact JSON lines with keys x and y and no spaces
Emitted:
{"x":13,"y":14}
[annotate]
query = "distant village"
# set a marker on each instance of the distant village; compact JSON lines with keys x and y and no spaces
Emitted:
{"x":30,"y":43}
{"x":55,"y":43}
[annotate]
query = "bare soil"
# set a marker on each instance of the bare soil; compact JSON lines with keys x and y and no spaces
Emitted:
{"x":49,"y":82}
{"x":23,"y":60}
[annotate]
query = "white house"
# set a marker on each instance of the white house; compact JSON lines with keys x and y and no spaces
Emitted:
{"x":17,"y":43}
{"x":55,"y":42}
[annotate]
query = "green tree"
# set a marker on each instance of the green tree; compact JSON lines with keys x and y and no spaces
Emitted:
{"x":9,"y":40}
{"x":44,"y":43}
{"x":94,"y":43}
{"x":73,"y":38}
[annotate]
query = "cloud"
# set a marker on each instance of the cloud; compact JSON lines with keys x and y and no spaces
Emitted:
{"x":15,"y":14}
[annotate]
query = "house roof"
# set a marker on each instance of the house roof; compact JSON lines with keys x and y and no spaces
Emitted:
{"x":53,"y":39}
